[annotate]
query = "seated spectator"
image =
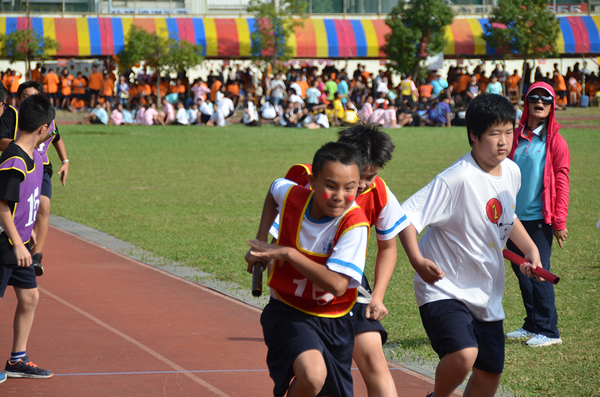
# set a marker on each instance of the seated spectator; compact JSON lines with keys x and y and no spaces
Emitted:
{"x":169,"y":111}
{"x":250,"y":117}
{"x":153,"y":116}
{"x":96,"y":116}
{"x":366,"y":111}
{"x":116,"y":117}
{"x":268,"y":112}
{"x":192,"y":113}
{"x":181,"y":117}
{"x":206,"y":111}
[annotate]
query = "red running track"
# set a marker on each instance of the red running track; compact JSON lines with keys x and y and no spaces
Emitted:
{"x":107,"y":324}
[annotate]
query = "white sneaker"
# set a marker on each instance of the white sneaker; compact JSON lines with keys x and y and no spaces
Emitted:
{"x":542,"y":340}
{"x":520,"y":333}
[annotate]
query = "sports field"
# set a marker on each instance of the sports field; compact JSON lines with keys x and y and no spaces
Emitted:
{"x":194,"y":195}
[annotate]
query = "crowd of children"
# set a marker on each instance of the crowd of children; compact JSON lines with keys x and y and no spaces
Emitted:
{"x":298,"y":97}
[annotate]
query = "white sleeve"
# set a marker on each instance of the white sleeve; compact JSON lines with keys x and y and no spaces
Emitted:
{"x":349,"y":255}
{"x":392,"y":219}
{"x":429,"y":206}
{"x":279,"y":189}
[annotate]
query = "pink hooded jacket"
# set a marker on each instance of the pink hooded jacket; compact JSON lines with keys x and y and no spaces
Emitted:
{"x":555,"y":197}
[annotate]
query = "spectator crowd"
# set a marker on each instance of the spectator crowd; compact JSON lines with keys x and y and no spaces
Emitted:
{"x":297,"y":97}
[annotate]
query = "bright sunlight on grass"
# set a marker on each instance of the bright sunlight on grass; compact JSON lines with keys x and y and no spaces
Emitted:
{"x":194,"y":195}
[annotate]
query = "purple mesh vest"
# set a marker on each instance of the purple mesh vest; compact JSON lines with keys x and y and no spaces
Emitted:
{"x":42,"y":149}
{"x":26,"y":209}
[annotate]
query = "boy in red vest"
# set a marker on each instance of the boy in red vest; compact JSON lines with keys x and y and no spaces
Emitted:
{"x":318,"y":263}
{"x":384,"y":212}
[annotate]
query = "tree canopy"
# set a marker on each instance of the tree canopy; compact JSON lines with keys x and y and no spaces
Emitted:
{"x":26,"y":45}
{"x":418,"y":29}
{"x":164,"y":54}
{"x":274,"y":22}
{"x":524,"y":28}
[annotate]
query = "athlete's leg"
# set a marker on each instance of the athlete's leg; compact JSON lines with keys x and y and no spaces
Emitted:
{"x":453,"y":370}
{"x":27,"y":300}
{"x":42,"y":222}
{"x":311,"y":372}
{"x":373,"y":365}
{"x":482,"y":384}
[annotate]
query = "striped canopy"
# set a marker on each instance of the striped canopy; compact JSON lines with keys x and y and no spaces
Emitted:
{"x":318,"y":38}
{"x":219,"y":37}
{"x":579,"y":35}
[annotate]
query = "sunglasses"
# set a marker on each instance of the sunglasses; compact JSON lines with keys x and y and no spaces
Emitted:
{"x":546,"y":99}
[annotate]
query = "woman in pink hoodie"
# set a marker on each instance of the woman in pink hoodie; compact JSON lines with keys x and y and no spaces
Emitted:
{"x":542,"y":206}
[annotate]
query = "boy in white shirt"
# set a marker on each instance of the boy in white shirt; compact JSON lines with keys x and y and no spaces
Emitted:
{"x":181,"y":118}
{"x":459,"y":280}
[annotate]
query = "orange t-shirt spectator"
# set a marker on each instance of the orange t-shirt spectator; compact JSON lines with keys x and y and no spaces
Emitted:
{"x":66,"y":81}
{"x":14,"y":82}
{"x":214,"y":88}
{"x":95,"y":80}
{"x":108,"y":87}
{"x":51,"y":81}
{"x":425,"y":90}
{"x":79,"y":85}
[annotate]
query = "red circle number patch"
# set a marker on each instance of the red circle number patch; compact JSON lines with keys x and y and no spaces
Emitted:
{"x":493,"y":208}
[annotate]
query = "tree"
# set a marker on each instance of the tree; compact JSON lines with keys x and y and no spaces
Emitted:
{"x":525,"y":28}
{"x":26,"y":45}
{"x":418,"y":29}
{"x":275,"y":21}
{"x":163,"y":54}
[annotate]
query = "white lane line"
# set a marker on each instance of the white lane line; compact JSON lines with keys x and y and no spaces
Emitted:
{"x":140,"y":345}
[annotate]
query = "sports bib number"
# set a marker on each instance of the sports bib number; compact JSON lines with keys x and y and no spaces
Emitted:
{"x":34,"y":203}
{"x":318,"y":294}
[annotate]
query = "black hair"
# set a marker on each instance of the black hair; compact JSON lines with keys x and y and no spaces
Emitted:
{"x":486,"y":110}
{"x":375,"y":145}
{"x":339,"y":152}
{"x":30,"y":84}
{"x":35,"y":111}
{"x":3,"y":93}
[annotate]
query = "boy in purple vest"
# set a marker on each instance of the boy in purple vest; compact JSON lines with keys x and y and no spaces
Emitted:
{"x":21,"y":174}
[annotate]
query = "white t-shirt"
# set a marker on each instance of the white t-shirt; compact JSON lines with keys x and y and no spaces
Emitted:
{"x":348,"y":255}
{"x":251,"y":108}
{"x":192,"y":115}
{"x":296,"y":98}
{"x":268,"y":111}
{"x":322,"y":120}
{"x":225,"y":106}
{"x":181,"y":117}
{"x":205,"y":108}
{"x":470,"y":215}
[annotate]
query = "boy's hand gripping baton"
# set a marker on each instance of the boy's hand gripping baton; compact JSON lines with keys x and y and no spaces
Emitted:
{"x":257,"y":279}
{"x":538,"y":271}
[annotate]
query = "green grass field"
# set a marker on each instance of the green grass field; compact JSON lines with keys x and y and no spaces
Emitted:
{"x":194,"y":195}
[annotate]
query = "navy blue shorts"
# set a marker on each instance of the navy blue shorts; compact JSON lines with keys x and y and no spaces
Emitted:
{"x":10,"y":273}
{"x":47,"y":184}
{"x":361,"y":322}
{"x":289,"y":332}
{"x":451,"y":327}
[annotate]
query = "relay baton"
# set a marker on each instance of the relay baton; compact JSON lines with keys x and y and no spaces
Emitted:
{"x":257,"y":279}
{"x":538,"y":271}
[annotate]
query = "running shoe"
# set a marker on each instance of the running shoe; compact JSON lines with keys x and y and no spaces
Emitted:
{"x":26,"y":369}
{"x":2,"y":377}
{"x":520,"y":333}
{"x":542,"y":340}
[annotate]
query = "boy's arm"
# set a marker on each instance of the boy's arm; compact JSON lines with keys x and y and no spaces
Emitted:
{"x":425,"y":268}
{"x":21,"y":253}
{"x":525,"y":244}
{"x":328,"y":280}
{"x":62,"y":155}
{"x":387,"y":253}
{"x":269,"y":213}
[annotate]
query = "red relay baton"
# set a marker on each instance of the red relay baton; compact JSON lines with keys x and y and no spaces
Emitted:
{"x":538,"y":271}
